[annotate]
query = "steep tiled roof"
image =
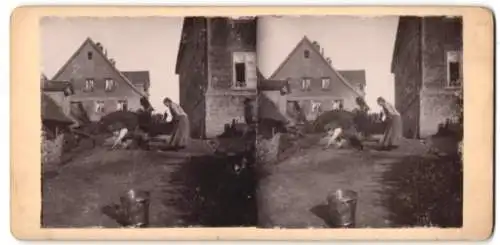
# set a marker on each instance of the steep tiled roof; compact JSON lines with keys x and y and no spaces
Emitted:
{"x":99,"y":52}
{"x":52,"y":112}
{"x":268,"y":110}
{"x":57,"y":86}
{"x":138,"y":77}
{"x":314,"y":49}
{"x":355,"y":77}
{"x":264,"y":84}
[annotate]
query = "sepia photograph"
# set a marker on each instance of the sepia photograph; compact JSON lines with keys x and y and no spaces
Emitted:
{"x":121,"y":148}
{"x":366,"y":124}
{"x":260,"y":121}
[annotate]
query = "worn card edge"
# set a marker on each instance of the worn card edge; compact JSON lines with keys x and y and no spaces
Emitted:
{"x":25,"y":129}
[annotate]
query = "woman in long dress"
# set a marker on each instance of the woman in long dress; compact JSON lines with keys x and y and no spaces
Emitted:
{"x":393,"y":125}
{"x":181,"y":132}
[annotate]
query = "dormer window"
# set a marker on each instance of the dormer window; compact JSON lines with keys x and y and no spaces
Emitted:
{"x":306,"y":54}
{"x":89,"y":85}
{"x":110,"y":85}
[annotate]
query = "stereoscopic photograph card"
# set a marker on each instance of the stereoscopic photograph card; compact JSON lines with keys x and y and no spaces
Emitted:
{"x":282,"y":123}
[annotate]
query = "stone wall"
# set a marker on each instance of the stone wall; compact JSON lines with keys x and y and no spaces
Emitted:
{"x":52,"y":150}
{"x":222,"y":109}
{"x":441,"y":34}
{"x":408,"y":74}
{"x":228,"y":36}
{"x":436,"y":108}
{"x":193,"y":79}
{"x":223,"y":102}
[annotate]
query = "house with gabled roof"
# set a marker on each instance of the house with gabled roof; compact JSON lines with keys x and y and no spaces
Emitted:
{"x":314,"y":83}
{"x":98,"y":84}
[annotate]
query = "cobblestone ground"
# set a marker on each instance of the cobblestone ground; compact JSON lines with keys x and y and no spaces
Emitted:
{"x":293,"y":193}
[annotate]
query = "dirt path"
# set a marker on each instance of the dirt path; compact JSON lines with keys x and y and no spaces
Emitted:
{"x":186,"y":189}
{"x":294,"y":192}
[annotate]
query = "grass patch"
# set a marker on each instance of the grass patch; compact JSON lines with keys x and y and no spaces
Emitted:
{"x":425,"y":191}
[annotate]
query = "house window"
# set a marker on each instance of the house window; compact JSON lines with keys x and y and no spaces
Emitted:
{"x":89,"y":84}
{"x":244,"y":70}
{"x":89,"y":55}
{"x":306,"y":54}
{"x":99,"y":106}
{"x":454,"y":68}
{"x":110,"y":84}
{"x":122,"y":105}
{"x":325,"y":83}
{"x":306,"y":84}
{"x":240,"y":71}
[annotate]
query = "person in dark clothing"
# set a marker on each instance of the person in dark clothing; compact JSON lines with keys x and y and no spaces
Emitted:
{"x":249,"y":112}
{"x":181,"y":134}
{"x":361,"y":119}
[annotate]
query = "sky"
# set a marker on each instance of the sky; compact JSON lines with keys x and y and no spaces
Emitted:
{"x":144,"y":43}
{"x":351,"y":42}
{"x":151,"y":43}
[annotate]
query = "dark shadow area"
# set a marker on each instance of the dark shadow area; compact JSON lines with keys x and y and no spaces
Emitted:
{"x":48,"y":175}
{"x":322,"y":212}
{"x":425,"y":191}
{"x":213,"y":193}
{"x":115,"y":212}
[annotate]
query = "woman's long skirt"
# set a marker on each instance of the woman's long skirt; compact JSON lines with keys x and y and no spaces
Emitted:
{"x":180,"y":136}
{"x":393,"y":131}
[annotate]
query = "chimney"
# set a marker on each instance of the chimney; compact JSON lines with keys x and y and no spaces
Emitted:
{"x":322,"y":51}
{"x":316,"y":45}
{"x":106,"y":53}
{"x":329,"y":60}
{"x":99,"y":45}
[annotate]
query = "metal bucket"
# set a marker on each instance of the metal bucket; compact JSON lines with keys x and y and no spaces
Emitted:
{"x":342,"y":208}
{"x":135,"y":205}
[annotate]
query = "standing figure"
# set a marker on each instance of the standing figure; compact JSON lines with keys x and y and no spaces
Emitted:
{"x":393,"y":125}
{"x":361,"y":119}
{"x":181,"y":134}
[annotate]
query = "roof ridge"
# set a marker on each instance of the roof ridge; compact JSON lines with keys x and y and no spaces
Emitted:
{"x":308,"y":42}
{"x":342,"y":78}
{"x":91,"y":42}
{"x":287,"y":57}
{"x":116,"y":69}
